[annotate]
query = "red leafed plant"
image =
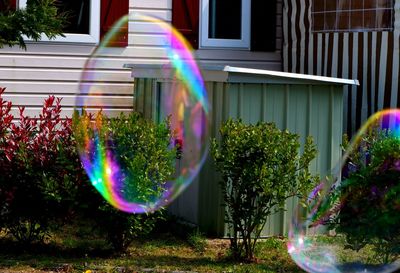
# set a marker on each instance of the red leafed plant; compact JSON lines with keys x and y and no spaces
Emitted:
{"x":40,"y":174}
{"x":34,"y":178}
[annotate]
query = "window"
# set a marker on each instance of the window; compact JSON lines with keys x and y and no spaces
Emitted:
{"x":225,"y":23}
{"x":90,"y":20}
{"x":84,"y":18}
{"x":7,"y":5}
{"x":352,"y":15}
{"x":236,"y":24}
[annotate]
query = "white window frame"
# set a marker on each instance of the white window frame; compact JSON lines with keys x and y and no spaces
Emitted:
{"x":243,"y":43}
{"x":94,"y":27}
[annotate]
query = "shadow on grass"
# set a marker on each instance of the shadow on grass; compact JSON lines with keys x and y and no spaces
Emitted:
{"x":207,"y":264}
{"x":12,"y":253}
{"x":163,"y":252}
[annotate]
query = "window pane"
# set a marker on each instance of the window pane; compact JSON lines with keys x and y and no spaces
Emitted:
{"x":343,"y":5}
{"x":330,"y":20}
{"x":78,"y":13}
{"x":225,"y":19}
{"x":370,"y":19}
{"x":352,"y":15}
{"x":356,"y":4}
{"x":319,"y":6}
{"x":356,"y":20}
{"x":330,"y":5}
{"x":344,"y":20}
{"x":385,"y":3}
{"x":370,"y":4}
{"x":319,"y":22}
{"x":385,"y":19}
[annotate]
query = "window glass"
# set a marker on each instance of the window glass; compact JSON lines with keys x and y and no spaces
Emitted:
{"x":225,"y":19}
{"x":225,"y":23}
{"x":83,"y":17}
{"x":78,"y":13}
{"x":353,"y":15}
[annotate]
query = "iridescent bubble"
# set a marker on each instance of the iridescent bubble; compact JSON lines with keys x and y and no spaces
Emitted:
{"x":121,"y":164}
{"x":352,"y":223}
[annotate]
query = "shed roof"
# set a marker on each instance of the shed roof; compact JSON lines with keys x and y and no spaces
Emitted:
{"x":238,"y":74}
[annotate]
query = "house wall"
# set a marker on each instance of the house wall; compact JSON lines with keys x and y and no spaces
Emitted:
{"x":54,"y":68}
{"x":150,"y":46}
{"x":371,"y":57}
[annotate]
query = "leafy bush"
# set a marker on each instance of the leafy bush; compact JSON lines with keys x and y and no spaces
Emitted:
{"x":43,"y":182}
{"x":39,"y":17}
{"x":369,"y":192}
{"x":120,"y":228}
{"x":32,"y":186}
{"x":261,"y":168}
{"x":197,"y":240}
{"x":143,"y":150}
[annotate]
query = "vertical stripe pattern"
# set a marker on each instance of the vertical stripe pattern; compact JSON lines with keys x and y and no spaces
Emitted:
{"x":371,"y":57}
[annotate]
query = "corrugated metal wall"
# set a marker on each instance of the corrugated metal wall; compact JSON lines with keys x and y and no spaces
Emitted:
{"x":304,"y":108}
{"x":371,"y":57}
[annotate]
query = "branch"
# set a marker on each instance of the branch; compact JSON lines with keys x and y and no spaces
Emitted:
{"x":40,"y":16}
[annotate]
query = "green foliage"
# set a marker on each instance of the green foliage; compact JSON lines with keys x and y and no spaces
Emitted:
{"x":39,"y":17}
{"x":121,"y":228}
{"x":368,"y":213}
{"x":43,"y":184}
{"x":32,"y":186}
{"x":261,"y":168}
{"x":142,"y":149}
{"x":144,"y":152}
{"x":197,"y":240}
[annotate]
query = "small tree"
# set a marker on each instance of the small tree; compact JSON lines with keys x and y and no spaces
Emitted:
{"x":39,"y":17}
{"x":261,"y":168}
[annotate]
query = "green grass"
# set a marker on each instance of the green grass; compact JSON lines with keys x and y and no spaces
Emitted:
{"x":77,"y":248}
{"x":69,"y":252}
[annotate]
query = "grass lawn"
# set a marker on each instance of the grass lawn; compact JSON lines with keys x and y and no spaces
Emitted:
{"x":162,"y":252}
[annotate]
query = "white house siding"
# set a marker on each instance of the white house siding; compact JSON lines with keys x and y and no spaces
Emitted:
{"x":51,"y":68}
{"x":54,"y":68}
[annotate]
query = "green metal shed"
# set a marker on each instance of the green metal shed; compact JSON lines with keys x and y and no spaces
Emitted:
{"x":304,"y":104}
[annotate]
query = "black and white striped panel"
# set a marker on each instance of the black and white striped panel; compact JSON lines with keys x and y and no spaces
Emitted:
{"x":371,"y":57}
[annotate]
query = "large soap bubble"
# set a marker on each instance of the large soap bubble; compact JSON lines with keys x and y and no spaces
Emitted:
{"x":121,"y":165}
{"x":352,"y":223}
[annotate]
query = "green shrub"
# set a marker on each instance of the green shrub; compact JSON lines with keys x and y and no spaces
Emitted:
{"x":43,"y":183}
{"x":143,"y":150}
{"x":261,"y":168}
{"x":197,"y":240}
{"x":120,"y":228}
{"x":368,"y":212}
